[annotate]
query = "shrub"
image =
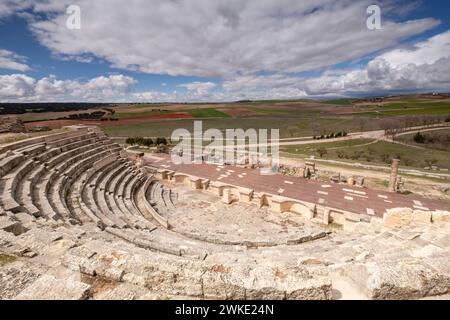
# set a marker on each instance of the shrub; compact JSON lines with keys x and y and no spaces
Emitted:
{"x":340,"y":154}
{"x":430,"y":162}
{"x":385,"y":158}
{"x":322,"y":152}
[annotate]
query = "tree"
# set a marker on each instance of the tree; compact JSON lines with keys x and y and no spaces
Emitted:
{"x":130,"y":141}
{"x":362,"y":123}
{"x":161,"y":141}
{"x":322,"y":152}
{"x":148,"y":142}
{"x":419,"y":138}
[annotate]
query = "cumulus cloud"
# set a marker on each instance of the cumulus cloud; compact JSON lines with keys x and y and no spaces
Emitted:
{"x":219,"y":38}
{"x":254,"y":49}
{"x":201,"y":88}
{"x":10,"y":7}
{"x":424,"y":66}
{"x":20,"y":87}
{"x":10,"y":60}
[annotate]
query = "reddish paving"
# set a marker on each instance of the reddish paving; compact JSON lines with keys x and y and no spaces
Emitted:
{"x":342,"y":197}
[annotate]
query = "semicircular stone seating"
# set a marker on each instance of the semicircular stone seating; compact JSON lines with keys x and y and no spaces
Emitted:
{"x":81,"y":176}
{"x":79,"y":182}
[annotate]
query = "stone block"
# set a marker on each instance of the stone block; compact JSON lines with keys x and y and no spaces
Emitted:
{"x":441,"y":216}
{"x":397,"y":217}
{"x":48,"y":287}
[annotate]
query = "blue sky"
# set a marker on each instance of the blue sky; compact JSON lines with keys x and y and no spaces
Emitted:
{"x":220,"y":50}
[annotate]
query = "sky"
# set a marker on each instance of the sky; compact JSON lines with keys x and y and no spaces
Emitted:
{"x":220,"y":50}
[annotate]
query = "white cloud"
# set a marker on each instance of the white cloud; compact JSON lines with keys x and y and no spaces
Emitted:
{"x":201,"y":88}
{"x":10,"y":60}
{"x":426,"y":52}
{"x":425,"y":66}
{"x":19,"y":87}
{"x":16,"y":86}
{"x":10,"y":7}
{"x":219,"y":38}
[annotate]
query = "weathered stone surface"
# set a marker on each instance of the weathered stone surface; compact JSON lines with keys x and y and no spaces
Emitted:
{"x":121,"y":292}
{"x":300,"y":283}
{"x":17,"y":276}
{"x":401,"y":217}
{"x":48,"y":287}
{"x":405,"y":281}
{"x":9,"y":225}
{"x":441,"y":216}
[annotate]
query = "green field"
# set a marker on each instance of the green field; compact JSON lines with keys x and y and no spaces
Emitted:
{"x":122,"y":115}
{"x":207,"y":113}
{"x":410,"y":109}
{"x":289,"y":127}
{"x":340,"y":102}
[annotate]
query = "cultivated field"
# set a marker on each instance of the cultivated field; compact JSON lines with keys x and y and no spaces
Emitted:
{"x":295,"y":119}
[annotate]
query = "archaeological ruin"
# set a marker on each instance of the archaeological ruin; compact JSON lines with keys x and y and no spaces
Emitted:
{"x":83,"y":218}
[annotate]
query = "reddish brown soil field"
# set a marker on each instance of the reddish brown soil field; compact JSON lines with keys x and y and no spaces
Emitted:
{"x":56,"y":124}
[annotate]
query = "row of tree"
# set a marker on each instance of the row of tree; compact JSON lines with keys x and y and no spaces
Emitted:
{"x":147,"y":142}
{"x":20,"y":108}
{"x":331,"y":135}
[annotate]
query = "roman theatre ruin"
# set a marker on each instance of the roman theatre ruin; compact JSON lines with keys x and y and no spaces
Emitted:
{"x":82,"y":218}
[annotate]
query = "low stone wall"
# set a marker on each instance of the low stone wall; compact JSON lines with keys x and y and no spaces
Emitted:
{"x":403,"y":217}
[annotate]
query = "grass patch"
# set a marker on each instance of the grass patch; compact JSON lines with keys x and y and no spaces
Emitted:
{"x":5,"y":259}
{"x":309,"y":149}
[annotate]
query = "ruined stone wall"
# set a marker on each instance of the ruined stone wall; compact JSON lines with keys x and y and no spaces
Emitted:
{"x":11,"y":124}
